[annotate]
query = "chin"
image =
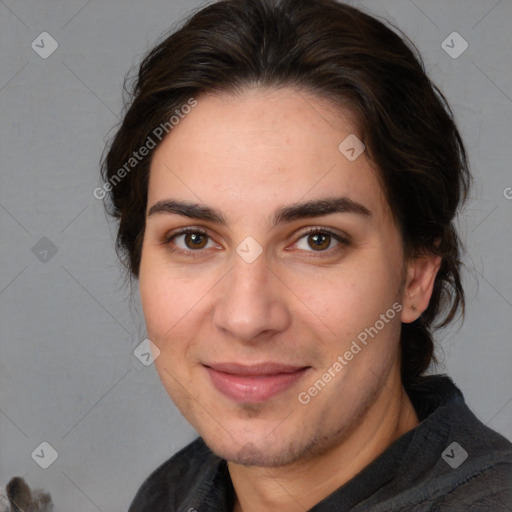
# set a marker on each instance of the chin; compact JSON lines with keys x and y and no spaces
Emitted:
{"x":258,"y":454}
{"x":269,"y":445}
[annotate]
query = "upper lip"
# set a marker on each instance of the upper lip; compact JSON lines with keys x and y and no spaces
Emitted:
{"x":255,"y":370}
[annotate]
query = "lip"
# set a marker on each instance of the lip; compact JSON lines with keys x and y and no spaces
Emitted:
{"x":254,"y":383}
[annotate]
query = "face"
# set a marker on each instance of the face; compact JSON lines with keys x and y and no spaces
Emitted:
{"x":272,"y":275}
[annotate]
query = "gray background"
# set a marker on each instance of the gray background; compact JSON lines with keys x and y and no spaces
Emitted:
{"x":68,"y":375}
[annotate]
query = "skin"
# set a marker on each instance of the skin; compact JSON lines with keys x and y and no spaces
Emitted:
{"x":246,"y":155}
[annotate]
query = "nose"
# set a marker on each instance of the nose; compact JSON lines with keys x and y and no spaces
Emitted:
{"x":251,"y":305}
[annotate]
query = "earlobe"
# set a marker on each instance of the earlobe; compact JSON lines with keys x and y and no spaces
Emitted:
{"x":421,"y":276}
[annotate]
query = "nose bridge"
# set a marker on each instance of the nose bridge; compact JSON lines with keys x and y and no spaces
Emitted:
{"x":250,"y":302}
{"x":252,"y":278}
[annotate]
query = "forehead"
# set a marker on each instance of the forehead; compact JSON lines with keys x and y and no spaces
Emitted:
{"x":259,"y":147}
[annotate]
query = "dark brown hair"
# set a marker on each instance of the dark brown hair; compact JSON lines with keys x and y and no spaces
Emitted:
{"x":336,"y":52}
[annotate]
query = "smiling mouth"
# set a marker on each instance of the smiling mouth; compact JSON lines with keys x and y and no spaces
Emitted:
{"x":254,"y":383}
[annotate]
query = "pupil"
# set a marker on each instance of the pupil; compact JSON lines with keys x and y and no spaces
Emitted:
{"x":320,"y":241}
{"x":196,"y":239}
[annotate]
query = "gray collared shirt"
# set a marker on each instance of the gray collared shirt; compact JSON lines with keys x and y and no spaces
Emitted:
{"x":451,"y":462}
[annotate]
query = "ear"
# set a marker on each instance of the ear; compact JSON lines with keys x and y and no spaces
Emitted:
{"x":421,"y":276}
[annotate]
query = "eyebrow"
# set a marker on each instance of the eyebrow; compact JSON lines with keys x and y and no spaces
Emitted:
{"x":315,"y":208}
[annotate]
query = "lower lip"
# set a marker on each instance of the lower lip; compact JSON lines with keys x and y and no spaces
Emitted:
{"x":252,"y":390}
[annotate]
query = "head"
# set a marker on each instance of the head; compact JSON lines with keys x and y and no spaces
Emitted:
{"x":317,"y":171}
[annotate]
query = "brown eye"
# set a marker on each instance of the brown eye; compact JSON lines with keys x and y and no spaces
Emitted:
{"x":322,"y":242}
{"x":195,"y":240}
{"x":319,"y":241}
{"x":190,"y":240}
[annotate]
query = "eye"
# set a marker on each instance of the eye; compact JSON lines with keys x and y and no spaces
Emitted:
{"x":320,"y":240}
{"x":190,"y":240}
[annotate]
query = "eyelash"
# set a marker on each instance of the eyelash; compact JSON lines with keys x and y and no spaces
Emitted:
{"x":343,"y":242}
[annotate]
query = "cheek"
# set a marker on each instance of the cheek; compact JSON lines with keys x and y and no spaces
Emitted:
{"x":163,"y":299}
{"x":344,"y":301}
{"x":164,"y":307}
{"x":155,"y":304}
{"x":157,"y":290}
{"x":173,"y":304}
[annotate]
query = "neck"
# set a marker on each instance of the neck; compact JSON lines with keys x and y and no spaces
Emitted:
{"x":303,"y":484}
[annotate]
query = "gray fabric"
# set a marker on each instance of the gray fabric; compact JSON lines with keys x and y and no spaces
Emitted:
{"x":421,"y":471}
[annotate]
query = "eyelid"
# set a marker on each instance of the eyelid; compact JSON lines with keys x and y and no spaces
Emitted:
{"x":183,"y":231}
{"x":343,"y":239}
{"x":339,"y":235}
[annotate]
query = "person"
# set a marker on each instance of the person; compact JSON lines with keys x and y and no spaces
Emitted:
{"x":286,"y":179}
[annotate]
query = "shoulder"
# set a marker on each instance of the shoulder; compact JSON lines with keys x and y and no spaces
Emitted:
{"x":455,"y":463}
{"x":488,"y":489}
{"x":483,"y":480}
{"x":176,"y":479}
